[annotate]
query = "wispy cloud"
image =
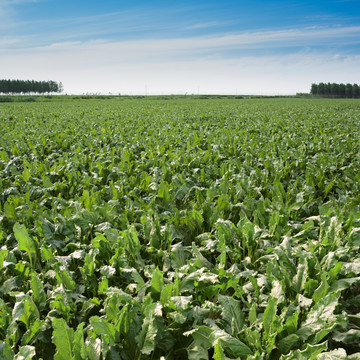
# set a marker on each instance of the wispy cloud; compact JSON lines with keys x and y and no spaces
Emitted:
{"x":204,"y":25}
{"x":310,"y":36}
{"x":99,"y":68}
{"x":184,"y":64}
{"x":164,"y":49}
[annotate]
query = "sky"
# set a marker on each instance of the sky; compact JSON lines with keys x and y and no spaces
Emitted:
{"x":178,"y":47}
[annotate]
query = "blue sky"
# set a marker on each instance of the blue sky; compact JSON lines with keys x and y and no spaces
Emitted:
{"x":252,"y":47}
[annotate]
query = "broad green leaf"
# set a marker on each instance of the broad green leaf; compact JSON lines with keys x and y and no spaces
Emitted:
{"x":25,"y":310}
{"x":149,"y":329}
{"x":219,"y":352}
{"x":322,"y":290}
{"x":355,"y":356}
{"x":343,"y":284}
{"x":232,"y":314}
{"x":62,"y":338}
{"x":34,"y":329}
{"x":6,"y":351}
{"x":231,"y":344}
{"x":64,"y":278}
{"x":319,"y":317}
{"x":26,"y":175}
{"x":163,"y":191}
{"x":299,"y":280}
{"x":196,"y":351}
{"x":157,"y":282}
{"x":338,"y":354}
{"x":25,"y":353}
{"x":329,"y":187}
{"x":291,"y":323}
{"x":201,"y":260}
{"x":166,"y":294}
{"x":38,"y":292}
{"x":103,"y":327}
{"x":93,"y":348}
{"x":25,"y":242}
{"x":201,"y":336}
{"x":287,"y":343}
{"x":351,"y":336}
{"x":180,"y":302}
{"x":235,"y":346}
{"x":269,"y":315}
{"x":309,"y":353}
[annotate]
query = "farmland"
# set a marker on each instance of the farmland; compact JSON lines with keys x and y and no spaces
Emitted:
{"x":180,"y":229}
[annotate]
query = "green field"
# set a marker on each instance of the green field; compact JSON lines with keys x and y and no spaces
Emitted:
{"x":180,"y":229}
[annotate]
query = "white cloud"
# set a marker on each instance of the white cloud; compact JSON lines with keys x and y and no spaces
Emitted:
{"x":283,"y":38}
{"x":130,"y":66}
{"x":189,"y":64}
{"x":204,"y":25}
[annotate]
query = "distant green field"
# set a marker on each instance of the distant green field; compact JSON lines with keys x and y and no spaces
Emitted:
{"x":180,"y":229}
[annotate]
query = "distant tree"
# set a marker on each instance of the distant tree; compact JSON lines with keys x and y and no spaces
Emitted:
{"x":356,"y":91}
{"x":334,"y":90}
{"x":342,"y":90}
{"x":314,"y":89}
{"x":29,"y":86}
{"x":348,"y":90}
{"x":321,"y":89}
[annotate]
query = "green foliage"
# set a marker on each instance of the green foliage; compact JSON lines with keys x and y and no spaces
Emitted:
{"x":180,"y":229}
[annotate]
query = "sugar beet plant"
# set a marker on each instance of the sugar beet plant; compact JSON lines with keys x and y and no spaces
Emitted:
{"x":180,"y":229}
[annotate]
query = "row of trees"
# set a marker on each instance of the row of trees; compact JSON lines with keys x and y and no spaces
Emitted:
{"x":336,"y":90}
{"x":29,"y":86}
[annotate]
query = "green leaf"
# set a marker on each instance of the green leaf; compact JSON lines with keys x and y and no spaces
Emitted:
{"x":197,"y":352}
{"x":34,"y":329}
{"x":64,"y":278}
{"x":309,"y":353}
{"x":355,"y":356}
{"x":25,"y":242}
{"x":166,"y":294}
{"x":219,"y":352}
{"x":322,"y":290}
{"x":5,"y":351}
{"x":79,"y":350}
{"x":157,"y":283}
{"x":26,"y":175}
{"x":343,"y":284}
{"x":25,"y":310}
{"x":235,"y":346}
{"x":319,"y":317}
{"x":351,"y":336}
{"x":25,"y":353}
{"x":102,"y":327}
{"x":180,"y":302}
{"x":149,"y":329}
{"x":201,"y":336}
{"x":232,"y":314}
{"x":269,"y":315}
{"x":62,"y":338}
{"x":38,"y":292}
{"x":163,"y":191}
{"x":338,"y":354}
{"x":93,"y":349}
{"x":329,"y":187}
{"x":299,"y":280}
{"x":287,"y":343}
{"x":201,"y":260}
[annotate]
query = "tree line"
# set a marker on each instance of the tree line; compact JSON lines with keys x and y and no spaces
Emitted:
{"x":29,"y":86}
{"x":336,"y":90}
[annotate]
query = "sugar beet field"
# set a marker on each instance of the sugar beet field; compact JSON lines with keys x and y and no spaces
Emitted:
{"x":180,"y":229}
